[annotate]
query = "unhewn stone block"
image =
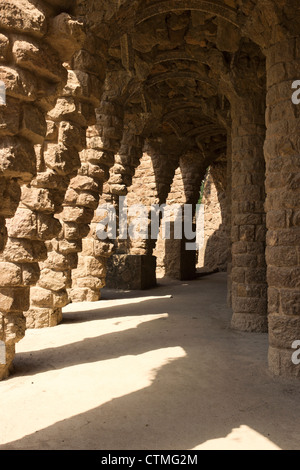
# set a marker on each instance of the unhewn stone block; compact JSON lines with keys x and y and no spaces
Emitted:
{"x":10,"y":275}
{"x":23,"y":224}
{"x":10,"y":116}
{"x":38,"y":59}
{"x":24,"y":16}
{"x":62,"y":160}
{"x":37,"y":199}
{"x":24,"y":251}
{"x":14,"y":299}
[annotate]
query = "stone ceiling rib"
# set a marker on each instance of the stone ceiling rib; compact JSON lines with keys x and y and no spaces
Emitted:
{"x":211,"y":6}
{"x":178,"y":76}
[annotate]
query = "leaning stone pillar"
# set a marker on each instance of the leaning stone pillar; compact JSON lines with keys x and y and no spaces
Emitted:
{"x":72,"y":177}
{"x":33,"y":75}
{"x":282,"y":150}
{"x":65,"y":138}
{"x":81,"y":199}
{"x":103,"y":141}
{"x":248,"y":273}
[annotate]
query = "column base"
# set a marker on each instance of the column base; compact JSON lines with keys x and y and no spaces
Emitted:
{"x":179,"y":263}
{"x":281,"y":363}
{"x":249,"y":322}
{"x":37,"y":317}
{"x":131,"y":272}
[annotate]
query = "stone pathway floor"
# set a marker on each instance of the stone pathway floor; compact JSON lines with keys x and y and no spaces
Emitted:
{"x":158,"y":369}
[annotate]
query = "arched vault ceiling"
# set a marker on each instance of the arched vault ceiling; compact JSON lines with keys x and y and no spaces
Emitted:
{"x":173,"y":60}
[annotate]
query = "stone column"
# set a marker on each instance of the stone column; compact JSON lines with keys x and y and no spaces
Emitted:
{"x":150,"y":186}
{"x":102,"y":144}
{"x":174,"y":260}
{"x":248,"y":275}
{"x":282,"y":149}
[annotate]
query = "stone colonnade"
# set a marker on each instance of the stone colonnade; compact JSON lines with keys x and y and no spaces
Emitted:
{"x":93,"y":97}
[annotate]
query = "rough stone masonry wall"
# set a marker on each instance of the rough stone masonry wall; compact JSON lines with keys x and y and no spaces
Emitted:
{"x":213,"y":256}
